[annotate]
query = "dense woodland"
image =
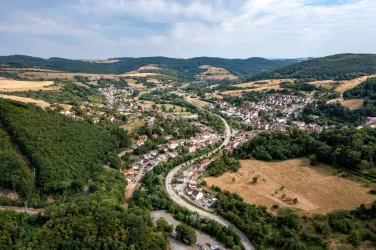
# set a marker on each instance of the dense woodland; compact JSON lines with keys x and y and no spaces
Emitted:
{"x":352,"y":149}
{"x":338,"y":67}
{"x":62,"y":151}
{"x":287,"y":230}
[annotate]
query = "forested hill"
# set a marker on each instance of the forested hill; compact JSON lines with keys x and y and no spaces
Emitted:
{"x":338,"y":67}
{"x":185,"y":68}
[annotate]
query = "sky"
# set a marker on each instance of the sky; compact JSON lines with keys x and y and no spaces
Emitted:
{"x":98,"y":29}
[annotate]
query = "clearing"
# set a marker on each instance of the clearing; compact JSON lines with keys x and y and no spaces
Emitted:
{"x":14,"y":85}
{"x":132,"y":83}
{"x":216,"y":73}
{"x":199,"y":102}
{"x":132,"y":125}
{"x":315,"y":187}
{"x":149,"y":67}
{"x":101,"y":61}
{"x":344,"y":84}
{"x":263,"y":83}
{"x":350,"y":103}
{"x":39,"y":103}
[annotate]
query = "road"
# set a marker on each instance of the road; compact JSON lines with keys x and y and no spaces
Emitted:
{"x":175,"y":197}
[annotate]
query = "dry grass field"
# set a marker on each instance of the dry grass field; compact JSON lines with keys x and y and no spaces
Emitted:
{"x":39,"y":103}
{"x":149,"y":67}
{"x":216,"y":73}
{"x":239,"y":92}
{"x":132,"y":83}
{"x":325,"y":84}
{"x":351,"y":103}
{"x":263,"y":83}
{"x":14,"y":85}
{"x":352,"y":83}
{"x":131,"y":125}
{"x":199,"y":102}
{"x":316,"y":188}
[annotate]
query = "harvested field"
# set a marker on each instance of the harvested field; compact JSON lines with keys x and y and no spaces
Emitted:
{"x":352,"y":83}
{"x":132,"y":83}
{"x":39,"y":103}
{"x":216,"y":73}
{"x":216,"y":95}
{"x":351,"y":103}
{"x":263,"y":83}
{"x":325,"y":84}
{"x":13,"y":85}
{"x":199,"y":102}
{"x":316,"y":188}
{"x":136,"y":74}
{"x":260,"y":89}
{"x":149,"y":67}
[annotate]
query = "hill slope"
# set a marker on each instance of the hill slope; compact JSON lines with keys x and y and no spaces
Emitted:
{"x":338,"y":67}
{"x":184,"y":68}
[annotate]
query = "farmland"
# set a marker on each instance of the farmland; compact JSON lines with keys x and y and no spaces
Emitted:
{"x":262,"y":83}
{"x":199,"y":102}
{"x":39,"y":103}
{"x":216,"y":73}
{"x":351,"y":103}
{"x":13,"y":85}
{"x":316,"y":188}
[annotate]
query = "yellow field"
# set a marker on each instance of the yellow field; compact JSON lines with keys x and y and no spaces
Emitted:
{"x":216,"y":73}
{"x":263,"y":83}
{"x":136,"y":74}
{"x":315,"y":187}
{"x":149,"y":67}
{"x":240,"y":92}
{"x":39,"y":103}
{"x":132,"y":83}
{"x":13,"y":85}
{"x":352,"y":83}
{"x":325,"y":84}
{"x":199,"y":102}
{"x":351,"y":103}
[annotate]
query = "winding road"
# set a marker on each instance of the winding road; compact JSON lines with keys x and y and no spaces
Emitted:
{"x":175,"y":197}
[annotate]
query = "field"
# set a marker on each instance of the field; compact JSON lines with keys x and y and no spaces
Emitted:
{"x":239,"y":92}
{"x":13,"y":85}
{"x":316,"y":188}
{"x":101,"y":61}
{"x":351,"y":103}
{"x":39,"y":103}
{"x":149,"y":67}
{"x":216,"y":73}
{"x":351,"y":83}
{"x":132,"y":83}
{"x":199,"y":102}
{"x":263,"y":83}
{"x":131,"y":125}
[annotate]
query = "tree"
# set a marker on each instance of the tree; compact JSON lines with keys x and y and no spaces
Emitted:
{"x":162,"y":225}
{"x":313,"y":160}
{"x":255,"y":179}
{"x":295,"y":200}
{"x":186,"y":234}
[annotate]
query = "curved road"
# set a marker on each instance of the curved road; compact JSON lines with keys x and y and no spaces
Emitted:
{"x":175,"y":197}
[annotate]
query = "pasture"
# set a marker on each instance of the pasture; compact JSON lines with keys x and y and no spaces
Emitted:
{"x":15,"y":85}
{"x":39,"y":103}
{"x":316,"y":188}
{"x":351,"y":103}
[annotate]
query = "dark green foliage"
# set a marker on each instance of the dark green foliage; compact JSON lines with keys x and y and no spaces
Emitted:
{"x":339,"y":67}
{"x":222,"y":165}
{"x":298,"y":85}
{"x":313,"y":160}
{"x":186,"y":234}
{"x":63,"y":151}
{"x":14,"y":173}
{"x":332,"y":114}
{"x":162,"y":225}
{"x":366,"y":89}
{"x":345,"y":148}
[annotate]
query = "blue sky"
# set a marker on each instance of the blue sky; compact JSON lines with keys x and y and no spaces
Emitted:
{"x":88,"y":29}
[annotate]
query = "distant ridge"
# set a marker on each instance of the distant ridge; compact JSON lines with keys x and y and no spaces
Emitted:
{"x":336,"y":67}
{"x":184,"y":68}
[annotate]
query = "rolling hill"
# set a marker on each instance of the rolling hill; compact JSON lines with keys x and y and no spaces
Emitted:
{"x":184,"y":68}
{"x":336,"y":67}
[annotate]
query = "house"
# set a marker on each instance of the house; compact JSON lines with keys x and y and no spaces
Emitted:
{"x":205,"y":163}
{"x":154,"y":152}
{"x":95,"y":120}
{"x":173,"y":144}
{"x":139,"y":142}
{"x":190,"y":149}
{"x":129,"y":178}
{"x":129,"y":171}
{"x":111,"y":118}
{"x":196,"y":195}
{"x":181,"y":179}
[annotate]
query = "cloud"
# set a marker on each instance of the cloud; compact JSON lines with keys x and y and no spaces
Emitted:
{"x":237,"y":28}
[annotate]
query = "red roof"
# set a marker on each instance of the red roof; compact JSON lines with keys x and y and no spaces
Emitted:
{"x":128,"y":171}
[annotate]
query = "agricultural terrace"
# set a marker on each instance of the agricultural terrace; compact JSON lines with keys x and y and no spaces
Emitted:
{"x":316,"y":189}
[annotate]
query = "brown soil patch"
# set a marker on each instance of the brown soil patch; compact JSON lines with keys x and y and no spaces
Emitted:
{"x":129,"y":190}
{"x":216,"y":73}
{"x":39,"y":103}
{"x":316,"y":188}
{"x":13,"y":85}
{"x":351,"y":103}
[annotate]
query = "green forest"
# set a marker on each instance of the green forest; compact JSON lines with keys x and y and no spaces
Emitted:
{"x":63,"y":152}
{"x":338,"y":67}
